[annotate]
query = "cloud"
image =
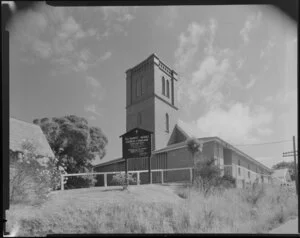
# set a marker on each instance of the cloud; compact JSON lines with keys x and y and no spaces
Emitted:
{"x":121,"y":14}
{"x":252,"y":22}
{"x":168,"y":16}
{"x":251,"y":83}
{"x":240,"y":63}
{"x":188,"y":45}
{"x":92,"y":82}
{"x":97,"y":90}
{"x":106,"y":56}
{"x":92,"y":109}
{"x":267,"y":49}
{"x":212,"y":26}
{"x":264,"y":131}
{"x":236,"y":124}
{"x":42,"y":49}
{"x":212,"y":79}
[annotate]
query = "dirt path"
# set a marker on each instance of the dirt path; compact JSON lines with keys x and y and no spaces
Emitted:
{"x":290,"y":227}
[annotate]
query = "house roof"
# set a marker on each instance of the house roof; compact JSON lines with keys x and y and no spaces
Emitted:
{"x":20,"y":131}
{"x":280,"y":172}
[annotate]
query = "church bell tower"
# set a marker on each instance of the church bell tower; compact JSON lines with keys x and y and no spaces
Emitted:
{"x":151,"y":100}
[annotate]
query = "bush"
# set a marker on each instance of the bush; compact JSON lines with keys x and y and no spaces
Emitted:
{"x":32,"y":178}
{"x":120,"y":179}
{"x":254,"y":193}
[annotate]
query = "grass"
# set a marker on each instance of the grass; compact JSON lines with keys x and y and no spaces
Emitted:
{"x":155,"y":209}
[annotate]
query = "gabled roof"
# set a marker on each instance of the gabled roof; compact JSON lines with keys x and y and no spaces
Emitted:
{"x":20,"y":131}
{"x":280,"y":172}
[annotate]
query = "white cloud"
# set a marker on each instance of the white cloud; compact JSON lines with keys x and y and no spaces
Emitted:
{"x":267,"y":49}
{"x":121,"y":14}
{"x":188,"y":45}
{"x":168,"y":16}
{"x":264,"y":131}
{"x":252,"y":22}
{"x":240,"y":63}
{"x":43,"y":49}
{"x":251,"y":83}
{"x":92,"y":82}
{"x":237,"y":124}
{"x":269,"y":99}
{"x":93,"y":109}
{"x":106,"y":56}
{"x":97,"y":90}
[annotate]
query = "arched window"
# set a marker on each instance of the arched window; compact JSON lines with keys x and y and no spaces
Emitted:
{"x":167,"y":122}
{"x":163,"y":85}
{"x":168,"y":89}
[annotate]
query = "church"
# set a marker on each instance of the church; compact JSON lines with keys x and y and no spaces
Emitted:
{"x":151,"y":104}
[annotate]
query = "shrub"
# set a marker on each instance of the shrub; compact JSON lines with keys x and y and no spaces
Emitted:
{"x":120,"y":179}
{"x":32,"y":178}
{"x":254,"y":193}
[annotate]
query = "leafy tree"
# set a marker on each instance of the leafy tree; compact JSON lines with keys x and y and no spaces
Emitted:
{"x":195,"y":147}
{"x":286,"y":165}
{"x":74,"y":143}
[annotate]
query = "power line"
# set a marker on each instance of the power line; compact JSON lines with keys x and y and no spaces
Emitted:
{"x":265,"y":143}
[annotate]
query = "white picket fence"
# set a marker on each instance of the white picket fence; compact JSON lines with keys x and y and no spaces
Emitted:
{"x":137,"y":172}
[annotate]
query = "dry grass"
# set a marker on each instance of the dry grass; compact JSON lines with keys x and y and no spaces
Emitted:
{"x":155,"y":209}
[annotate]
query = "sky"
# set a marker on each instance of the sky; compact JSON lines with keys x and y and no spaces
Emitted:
{"x":237,"y":69}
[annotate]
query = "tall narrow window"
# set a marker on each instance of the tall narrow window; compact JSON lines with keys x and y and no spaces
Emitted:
{"x":248,"y":170}
{"x":139,"y":119}
{"x":141,"y":85}
{"x":138,"y":87}
{"x":163,"y":85}
{"x":239,"y":163}
{"x":168,"y":89}
{"x":167,"y":122}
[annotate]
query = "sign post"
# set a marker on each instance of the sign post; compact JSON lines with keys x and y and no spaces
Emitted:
{"x":136,"y":144}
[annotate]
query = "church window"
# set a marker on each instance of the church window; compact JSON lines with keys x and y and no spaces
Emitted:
{"x":138,"y":87}
{"x":168,"y":89}
{"x":167,"y":122}
{"x":139,"y":118}
{"x":141,"y":85}
{"x":163,"y":85}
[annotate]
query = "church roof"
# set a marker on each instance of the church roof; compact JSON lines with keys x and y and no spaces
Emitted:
{"x":20,"y":131}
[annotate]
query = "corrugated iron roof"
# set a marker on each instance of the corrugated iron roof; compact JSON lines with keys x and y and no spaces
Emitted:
{"x":20,"y":131}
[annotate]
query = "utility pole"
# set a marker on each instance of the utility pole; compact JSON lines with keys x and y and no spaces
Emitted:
{"x":293,"y":153}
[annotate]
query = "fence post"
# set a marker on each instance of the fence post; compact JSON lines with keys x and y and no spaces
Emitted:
{"x":162,"y":176}
{"x":138,"y":178}
{"x":191,"y":175}
{"x":62,"y":182}
{"x":105,"y":180}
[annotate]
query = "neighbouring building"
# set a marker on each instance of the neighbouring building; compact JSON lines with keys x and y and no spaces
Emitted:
{"x":151,"y":104}
{"x":21,"y":132}
{"x":281,"y":176}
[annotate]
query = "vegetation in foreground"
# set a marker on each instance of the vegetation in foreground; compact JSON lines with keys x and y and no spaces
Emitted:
{"x":254,"y":210}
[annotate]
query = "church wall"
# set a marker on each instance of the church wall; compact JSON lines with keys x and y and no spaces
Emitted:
{"x":147,"y":112}
{"x":161,"y":136}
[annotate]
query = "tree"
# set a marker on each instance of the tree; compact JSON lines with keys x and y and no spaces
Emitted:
{"x":195,"y":147}
{"x":74,"y":143}
{"x":286,"y":165}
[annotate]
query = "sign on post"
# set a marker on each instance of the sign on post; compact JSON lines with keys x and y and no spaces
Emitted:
{"x":136,"y":143}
